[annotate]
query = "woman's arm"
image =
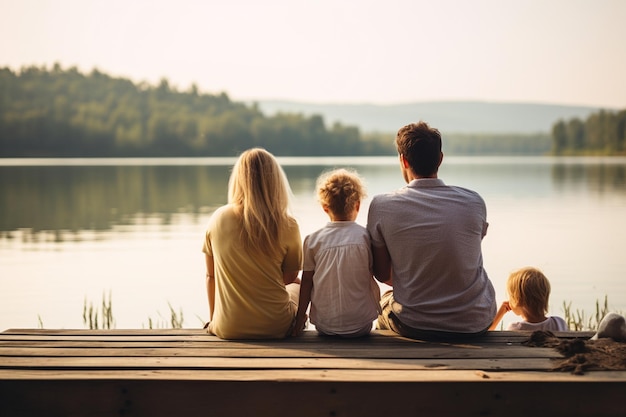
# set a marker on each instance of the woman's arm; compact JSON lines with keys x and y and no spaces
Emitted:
{"x":210,"y":284}
{"x":291,"y":277}
{"x":303,"y":303}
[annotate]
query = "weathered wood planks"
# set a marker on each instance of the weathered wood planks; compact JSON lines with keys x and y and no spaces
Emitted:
{"x":188,"y":372}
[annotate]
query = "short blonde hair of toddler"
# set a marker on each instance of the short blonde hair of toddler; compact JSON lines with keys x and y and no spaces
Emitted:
{"x":530,"y":289}
{"x":340,"y":190}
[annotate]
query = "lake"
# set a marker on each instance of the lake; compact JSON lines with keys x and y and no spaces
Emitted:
{"x":75,"y":230}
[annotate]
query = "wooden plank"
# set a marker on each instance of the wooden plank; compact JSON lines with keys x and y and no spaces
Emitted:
{"x":377,"y":336}
{"x":210,"y":342}
{"x":188,"y":372}
{"x":198,"y":342}
{"x":189,"y":398}
{"x":186,"y":342}
{"x":122,"y":363}
{"x":196,"y":331}
{"x":104,"y":342}
{"x":319,"y":352}
{"x":316,"y":375}
{"x":108,"y":332}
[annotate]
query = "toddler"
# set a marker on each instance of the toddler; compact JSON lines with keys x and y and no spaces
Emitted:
{"x":529,"y":291}
{"x":337,"y":275}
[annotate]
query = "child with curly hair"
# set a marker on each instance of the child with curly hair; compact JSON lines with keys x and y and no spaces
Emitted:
{"x":337,"y":275}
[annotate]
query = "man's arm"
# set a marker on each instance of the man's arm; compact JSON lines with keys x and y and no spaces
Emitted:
{"x":382,"y":264}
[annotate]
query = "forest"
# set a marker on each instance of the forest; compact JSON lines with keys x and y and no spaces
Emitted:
{"x":602,"y":133}
{"x":65,"y":113}
{"x":57,"y":112}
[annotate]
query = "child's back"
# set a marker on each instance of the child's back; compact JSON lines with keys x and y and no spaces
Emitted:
{"x":344,"y":298}
{"x":553,"y":324}
{"x":337,"y":275}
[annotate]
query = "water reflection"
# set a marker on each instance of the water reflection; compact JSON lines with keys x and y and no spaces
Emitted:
{"x":597,"y":178}
{"x":76,"y":198}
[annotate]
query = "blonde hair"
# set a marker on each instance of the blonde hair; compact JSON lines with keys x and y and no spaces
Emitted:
{"x":530,"y":289}
{"x":340,"y":190}
{"x":259,"y":190}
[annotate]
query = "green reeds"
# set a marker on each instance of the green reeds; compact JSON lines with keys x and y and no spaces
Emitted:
{"x":175,"y":321}
{"x":99,"y":318}
{"x":102,"y":317}
{"x":578,"y":320}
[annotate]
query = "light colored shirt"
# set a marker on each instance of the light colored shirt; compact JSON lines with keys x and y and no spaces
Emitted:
{"x":554,"y":324}
{"x":345,"y":296}
{"x":433,"y":233}
{"x":251,"y":300}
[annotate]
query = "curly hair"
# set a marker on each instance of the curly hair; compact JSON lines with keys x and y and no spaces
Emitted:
{"x":340,"y":190}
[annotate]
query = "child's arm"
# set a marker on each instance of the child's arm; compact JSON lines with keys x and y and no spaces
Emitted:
{"x":504,"y":308}
{"x":303,"y":302}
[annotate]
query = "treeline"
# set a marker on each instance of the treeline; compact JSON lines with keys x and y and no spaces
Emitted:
{"x":602,"y":133}
{"x":60,"y":112}
{"x":487,"y":144}
{"x":497,"y":144}
{"x":65,"y":113}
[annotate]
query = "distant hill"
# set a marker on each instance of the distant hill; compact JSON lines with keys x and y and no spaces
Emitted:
{"x":447,"y":116}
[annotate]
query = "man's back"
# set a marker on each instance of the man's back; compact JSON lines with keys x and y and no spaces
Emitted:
{"x":433,"y":233}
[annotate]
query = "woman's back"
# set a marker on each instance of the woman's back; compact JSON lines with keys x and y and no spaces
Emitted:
{"x":253,"y":250}
{"x":251,"y":300}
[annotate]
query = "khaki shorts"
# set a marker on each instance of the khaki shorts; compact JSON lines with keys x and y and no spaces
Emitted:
{"x":293,"y":290}
{"x":387,"y":320}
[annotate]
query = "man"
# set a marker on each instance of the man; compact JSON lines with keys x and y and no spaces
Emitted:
{"x":426,"y":243}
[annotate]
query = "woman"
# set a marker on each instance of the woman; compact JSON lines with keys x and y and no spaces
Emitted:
{"x":253,"y":253}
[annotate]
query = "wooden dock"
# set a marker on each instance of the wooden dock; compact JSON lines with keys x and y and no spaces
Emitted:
{"x":188,"y":373}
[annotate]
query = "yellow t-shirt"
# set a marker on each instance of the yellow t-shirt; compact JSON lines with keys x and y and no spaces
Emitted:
{"x":251,"y":301}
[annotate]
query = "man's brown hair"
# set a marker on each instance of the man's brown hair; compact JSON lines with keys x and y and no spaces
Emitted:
{"x":421,"y":147}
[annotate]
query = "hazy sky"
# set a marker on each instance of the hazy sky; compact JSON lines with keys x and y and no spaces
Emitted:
{"x":350,"y":51}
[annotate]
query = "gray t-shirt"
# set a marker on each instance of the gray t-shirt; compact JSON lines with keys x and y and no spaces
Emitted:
{"x":433,"y":233}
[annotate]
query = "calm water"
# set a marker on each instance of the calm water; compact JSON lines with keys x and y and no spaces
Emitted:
{"x":73,"y":230}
